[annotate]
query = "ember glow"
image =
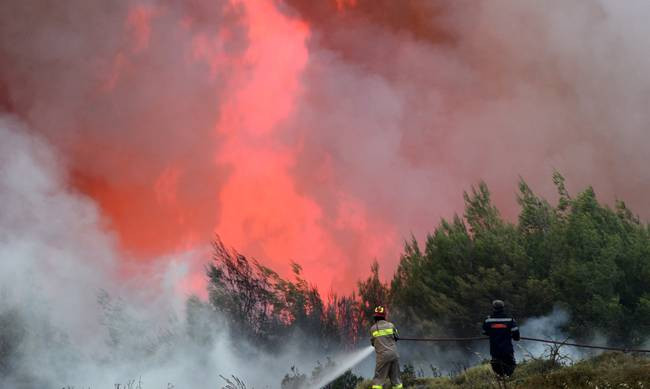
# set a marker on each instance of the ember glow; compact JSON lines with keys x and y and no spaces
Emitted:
{"x":324,"y":132}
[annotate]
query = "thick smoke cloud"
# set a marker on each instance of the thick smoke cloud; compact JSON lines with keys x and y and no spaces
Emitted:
{"x":68,"y":318}
{"x":129,"y":92}
{"x":52,"y":246}
{"x":52,"y":241}
{"x":406,"y":104}
{"x":326,"y":132}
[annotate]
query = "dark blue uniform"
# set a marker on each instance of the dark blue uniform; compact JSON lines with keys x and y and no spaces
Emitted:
{"x":502,"y":330}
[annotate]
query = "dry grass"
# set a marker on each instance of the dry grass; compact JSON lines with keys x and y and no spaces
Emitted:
{"x":607,"y":371}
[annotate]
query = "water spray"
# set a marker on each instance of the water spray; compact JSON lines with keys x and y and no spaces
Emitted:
{"x":344,"y":364}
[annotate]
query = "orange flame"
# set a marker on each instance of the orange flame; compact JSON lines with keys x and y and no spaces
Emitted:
{"x":342,"y":5}
{"x":254,"y":203}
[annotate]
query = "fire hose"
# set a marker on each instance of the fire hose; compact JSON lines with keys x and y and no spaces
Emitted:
{"x":561,"y":343}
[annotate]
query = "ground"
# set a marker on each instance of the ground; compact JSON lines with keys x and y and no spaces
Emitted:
{"x":609,"y":370}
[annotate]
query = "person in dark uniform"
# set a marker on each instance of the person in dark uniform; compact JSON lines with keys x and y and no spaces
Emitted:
{"x":502,"y":330}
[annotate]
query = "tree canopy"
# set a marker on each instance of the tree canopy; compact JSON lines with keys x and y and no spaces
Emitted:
{"x":589,"y":258}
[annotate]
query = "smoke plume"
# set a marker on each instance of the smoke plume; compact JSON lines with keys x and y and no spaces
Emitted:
{"x":67,"y":317}
{"x":550,"y":327}
{"x":325,"y":132}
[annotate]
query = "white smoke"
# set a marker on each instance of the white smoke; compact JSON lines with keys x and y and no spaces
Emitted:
{"x":52,"y":243}
{"x":67,"y":316}
{"x":550,"y":327}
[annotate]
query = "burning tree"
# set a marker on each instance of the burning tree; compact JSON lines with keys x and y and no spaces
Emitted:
{"x":264,"y":307}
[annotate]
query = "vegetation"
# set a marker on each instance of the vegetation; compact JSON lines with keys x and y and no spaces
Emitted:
{"x":297,"y":380}
{"x":587,"y":257}
{"x":268,"y":309}
{"x":591,"y":259}
{"x":610,"y":370}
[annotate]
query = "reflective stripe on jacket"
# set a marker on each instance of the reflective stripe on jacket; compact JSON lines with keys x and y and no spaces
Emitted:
{"x":383,"y":336}
{"x":502,"y":330}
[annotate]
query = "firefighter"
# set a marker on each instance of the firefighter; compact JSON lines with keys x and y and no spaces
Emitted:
{"x":384,"y":339}
{"x":502,"y":330}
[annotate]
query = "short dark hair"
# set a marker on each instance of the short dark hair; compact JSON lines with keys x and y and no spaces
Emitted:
{"x":498,"y":304}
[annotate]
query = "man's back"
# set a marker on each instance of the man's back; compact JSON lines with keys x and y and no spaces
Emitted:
{"x":383,"y":337}
{"x":501,"y":329}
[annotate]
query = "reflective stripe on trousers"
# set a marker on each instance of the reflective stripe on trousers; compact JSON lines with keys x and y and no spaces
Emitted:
{"x":400,"y":386}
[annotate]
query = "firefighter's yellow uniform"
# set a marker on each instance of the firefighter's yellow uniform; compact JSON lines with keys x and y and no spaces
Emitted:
{"x":384,"y":339}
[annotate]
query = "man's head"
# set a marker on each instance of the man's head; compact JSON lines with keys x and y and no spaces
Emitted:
{"x":498,"y":305}
{"x":379,"y":314}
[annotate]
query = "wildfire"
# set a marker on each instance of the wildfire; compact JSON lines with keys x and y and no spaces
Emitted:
{"x":247,"y":190}
{"x":342,"y":5}
{"x":320,"y":131}
{"x":262,"y":212}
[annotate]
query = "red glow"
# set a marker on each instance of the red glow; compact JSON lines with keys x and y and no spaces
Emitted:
{"x":263,"y":213}
{"x":139,"y":26}
{"x":342,"y":5}
{"x":257,"y":206}
{"x":320,"y":131}
{"x":261,"y":210}
{"x":148,"y":217}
